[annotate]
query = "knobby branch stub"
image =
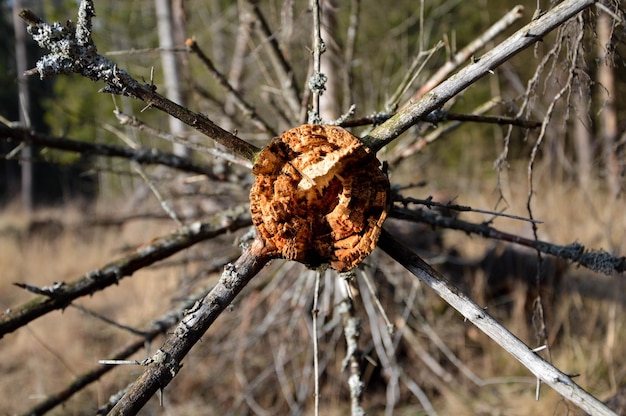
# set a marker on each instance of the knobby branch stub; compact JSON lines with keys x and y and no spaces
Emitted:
{"x":319,"y":197}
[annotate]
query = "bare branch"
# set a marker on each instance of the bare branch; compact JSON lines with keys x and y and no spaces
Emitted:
{"x":63,"y":294}
{"x":284,"y":71}
{"x":596,"y":260}
{"x":247,"y":109}
{"x":317,"y":82}
{"x":543,"y":370}
{"x":443,"y":115}
{"x":523,"y":38}
{"x":354,"y":355}
{"x":132,"y":121}
{"x":409,"y":147}
{"x":167,"y":361}
{"x":428,"y":202}
{"x":73,"y":52}
{"x":142,"y":155}
{"x":157,"y":327}
{"x":466,"y":53}
{"x":415,"y":69}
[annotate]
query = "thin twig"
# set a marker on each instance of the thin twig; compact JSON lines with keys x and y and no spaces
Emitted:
{"x":150,"y":156}
{"x":167,"y":207}
{"x":75,"y":52}
{"x":461,"y":208}
{"x":247,"y":108}
{"x":238,"y":61}
{"x":467,"y":52}
{"x":415,"y":69}
{"x":370,"y":286}
{"x":284,"y":72}
{"x":134,"y":51}
{"x":317,"y":82}
{"x":352,"y":332}
{"x":596,"y":260}
{"x":110,"y":274}
{"x":132,"y":121}
{"x":157,"y":327}
{"x":442,"y":116}
{"x":523,"y":38}
{"x":409,"y":146}
{"x":316,"y":365}
{"x":109,"y":321}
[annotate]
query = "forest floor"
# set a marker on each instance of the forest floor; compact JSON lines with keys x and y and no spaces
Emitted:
{"x":584,"y":313}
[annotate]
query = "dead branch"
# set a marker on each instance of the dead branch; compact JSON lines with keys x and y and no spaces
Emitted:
{"x":440,"y":116}
{"x":317,"y":82}
{"x":409,"y":147}
{"x":73,"y":51}
{"x":284,"y":71}
{"x":152,"y":330}
{"x":62,"y":294}
{"x":542,"y":369}
{"x":499,"y":120}
{"x":354,"y":355}
{"x":247,"y":109}
{"x":596,"y":260}
{"x":128,"y":120}
{"x":466,"y":53}
{"x":167,"y":361}
{"x":520,"y":40}
{"x":150,"y":156}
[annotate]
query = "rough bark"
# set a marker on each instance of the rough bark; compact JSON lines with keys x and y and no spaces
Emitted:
{"x":542,"y":369}
{"x":167,"y":361}
{"x":62,"y":294}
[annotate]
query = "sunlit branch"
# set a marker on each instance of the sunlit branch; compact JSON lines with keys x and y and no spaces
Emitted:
{"x":483,"y":65}
{"x":472,"y":312}
{"x":72,"y":51}
{"x":165,"y":364}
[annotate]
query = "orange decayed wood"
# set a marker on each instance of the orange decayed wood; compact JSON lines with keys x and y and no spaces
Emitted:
{"x":319,"y":197}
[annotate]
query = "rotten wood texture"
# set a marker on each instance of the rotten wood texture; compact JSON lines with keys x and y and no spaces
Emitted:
{"x":319,"y":197}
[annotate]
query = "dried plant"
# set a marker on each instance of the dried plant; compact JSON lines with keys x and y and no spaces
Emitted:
{"x":319,"y":197}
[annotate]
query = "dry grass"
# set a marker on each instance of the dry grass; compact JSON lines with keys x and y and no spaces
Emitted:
{"x":260,"y":352}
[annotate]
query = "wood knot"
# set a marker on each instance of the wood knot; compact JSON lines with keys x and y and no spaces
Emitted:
{"x":319,"y":197}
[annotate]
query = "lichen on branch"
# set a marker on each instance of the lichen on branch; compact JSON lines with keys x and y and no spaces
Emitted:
{"x":72,"y":51}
